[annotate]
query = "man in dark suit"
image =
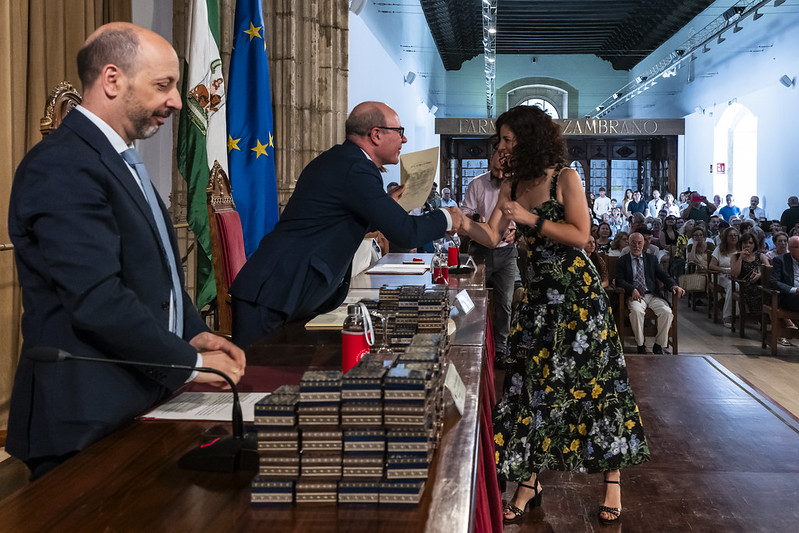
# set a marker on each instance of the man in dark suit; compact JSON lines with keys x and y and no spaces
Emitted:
{"x":638,"y":274}
{"x":98,"y":261}
{"x":785,"y":276}
{"x":301,"y":268}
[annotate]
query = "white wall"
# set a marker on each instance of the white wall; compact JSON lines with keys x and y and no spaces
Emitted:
{"x":373,"y":75}
{"x":745,"y":69}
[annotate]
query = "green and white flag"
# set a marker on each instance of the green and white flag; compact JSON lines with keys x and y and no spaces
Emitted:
{"x":202,"y":134}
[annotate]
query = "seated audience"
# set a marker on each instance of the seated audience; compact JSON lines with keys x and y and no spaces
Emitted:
{"x":784,"y":278}
{"x":603,"y":236}
{"x":780,"y":245}
{"x":700,"y":208}
{"x":601,"y":268}
{"x":619,"y":243}
{"x":745,"y":266}
{"x":720,"y":263}
{"x":670,"y":207}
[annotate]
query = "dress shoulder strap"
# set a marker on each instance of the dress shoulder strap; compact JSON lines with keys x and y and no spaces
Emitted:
{"x":553,"y":188}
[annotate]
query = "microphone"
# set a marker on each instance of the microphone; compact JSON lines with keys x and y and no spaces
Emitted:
{"x":230,"y":454}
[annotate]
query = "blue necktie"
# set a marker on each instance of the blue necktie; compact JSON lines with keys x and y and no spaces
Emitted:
{"x":131,"y":156}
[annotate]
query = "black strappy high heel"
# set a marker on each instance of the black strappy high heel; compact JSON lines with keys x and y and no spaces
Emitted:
{"x":615,"y":511}
{"x":534,"y":501}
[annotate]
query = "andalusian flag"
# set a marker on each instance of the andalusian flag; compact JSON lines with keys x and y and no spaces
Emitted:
{"x":201,"y":134}
{"x":251,"y":145}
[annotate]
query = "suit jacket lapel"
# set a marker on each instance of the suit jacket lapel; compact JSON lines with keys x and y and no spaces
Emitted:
{"x":85,"y":129}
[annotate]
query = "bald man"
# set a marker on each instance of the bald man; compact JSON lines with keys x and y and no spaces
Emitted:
{"x":98,"y":261}
{"x":301,"y":268}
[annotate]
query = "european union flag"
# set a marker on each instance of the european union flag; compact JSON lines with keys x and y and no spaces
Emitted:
{"x":251,"y":148}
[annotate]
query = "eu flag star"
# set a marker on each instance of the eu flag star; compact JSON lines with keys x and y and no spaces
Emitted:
{"x":260,"y":149}
{"x":233,"y":144}
{"x":271,"y":140}
{"x":253,"y":31}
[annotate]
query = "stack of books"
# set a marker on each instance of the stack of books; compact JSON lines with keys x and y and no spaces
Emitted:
{"x":433,"y":311}
{"x":278,"y":447}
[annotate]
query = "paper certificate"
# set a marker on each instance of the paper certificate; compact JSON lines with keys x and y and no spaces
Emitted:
{"x":417,"y":173}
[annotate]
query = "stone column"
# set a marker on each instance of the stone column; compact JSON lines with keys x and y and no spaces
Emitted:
{"x":307,"y":44}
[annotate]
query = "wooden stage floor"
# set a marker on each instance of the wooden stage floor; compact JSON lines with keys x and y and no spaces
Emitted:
{"x":724,"y":459}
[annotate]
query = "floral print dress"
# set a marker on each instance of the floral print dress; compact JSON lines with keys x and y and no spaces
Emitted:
{"x":567,"y":403}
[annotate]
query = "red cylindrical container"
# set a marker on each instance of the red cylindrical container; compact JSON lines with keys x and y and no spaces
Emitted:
{"x":452,"y":256}
{"x":354,"y":343}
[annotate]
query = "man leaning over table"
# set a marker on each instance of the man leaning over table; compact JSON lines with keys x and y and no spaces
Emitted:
{"x":338,"y":198}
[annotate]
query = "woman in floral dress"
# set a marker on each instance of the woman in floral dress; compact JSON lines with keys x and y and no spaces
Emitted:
{"x":567,"y":403}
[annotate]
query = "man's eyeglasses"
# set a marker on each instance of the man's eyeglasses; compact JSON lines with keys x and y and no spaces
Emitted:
{"x":401,"y":131}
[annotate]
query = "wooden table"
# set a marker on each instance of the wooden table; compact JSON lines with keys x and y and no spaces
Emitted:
{"x":131,"y":481}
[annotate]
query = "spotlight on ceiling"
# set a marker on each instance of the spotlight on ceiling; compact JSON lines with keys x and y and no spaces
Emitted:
{"x":600,"y":107}
{"x":640,"y":79}
{"x":679,"y":52}
{"x":492,"y":30}
{"x":778,"y":3}
{"x":787,"y":81}
{"x":705,"y":49}
{"x":720,"y":39}
{"x":616,"y":96}
{"x":756,"y":15}
{"x":737,"y":28}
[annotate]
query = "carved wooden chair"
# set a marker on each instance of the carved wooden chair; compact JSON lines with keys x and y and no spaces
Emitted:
{"x":650,"y":320}
{"x":63,"y":99}
{"x":774,"y":316}
{"x":227,"y":243}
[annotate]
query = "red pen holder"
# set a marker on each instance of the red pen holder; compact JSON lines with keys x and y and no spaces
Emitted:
{"x":452,"y":256}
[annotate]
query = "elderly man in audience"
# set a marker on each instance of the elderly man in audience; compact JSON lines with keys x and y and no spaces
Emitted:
{"x":638,"y":274}
{"x":753,"y":212}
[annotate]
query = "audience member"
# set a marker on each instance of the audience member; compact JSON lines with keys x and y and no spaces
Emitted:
{"x":716,"y":200}
{"x":713,"y":229}
{"x":637,"y":204}
{"x":699,"y":209}
{"x":625,"y":203}
{"x":669,"y":205}
{"x":685,"y":200}
{"x":745,"y":266}
{"x":790,"y":217}
{"x":601,"y":204}
{"x":619,"y":243}
{"x":785,"y":279}
{"x":615,"y":220}
{"x":754,"y":212}
{"x":446,"y":198}
{"x":729,"y":209}
{"x":639,"y":275}
{"x":656,"y":225}
{"x":780,"y":245}
{"x":603,"y":237}
{"x":601,"y":268}
{"x":720,"y":263}
{"x":655,"y":204}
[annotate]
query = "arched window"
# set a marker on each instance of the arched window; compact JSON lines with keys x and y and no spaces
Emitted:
{"x":545,"y":105}
{"x":735,"y":153}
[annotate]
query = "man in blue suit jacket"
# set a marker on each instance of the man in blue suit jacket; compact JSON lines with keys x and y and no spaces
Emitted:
{"x":94,"y":270}
{"x":785,"y":276}
{"x":301,"y":268}
{"x":643,"y":291}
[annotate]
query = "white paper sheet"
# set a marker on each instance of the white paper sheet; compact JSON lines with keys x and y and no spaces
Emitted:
{"x":208,"y":406}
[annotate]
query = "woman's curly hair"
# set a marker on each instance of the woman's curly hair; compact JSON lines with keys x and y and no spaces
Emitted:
{"x":539,"y":143}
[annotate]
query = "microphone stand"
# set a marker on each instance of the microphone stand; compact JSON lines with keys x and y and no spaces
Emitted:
{"x":228,"y":454}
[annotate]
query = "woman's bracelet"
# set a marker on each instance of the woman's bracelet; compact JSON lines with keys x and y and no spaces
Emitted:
{"x":538,"y":223}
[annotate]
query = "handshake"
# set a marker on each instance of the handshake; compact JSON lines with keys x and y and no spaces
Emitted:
{"x":460,"y":221}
